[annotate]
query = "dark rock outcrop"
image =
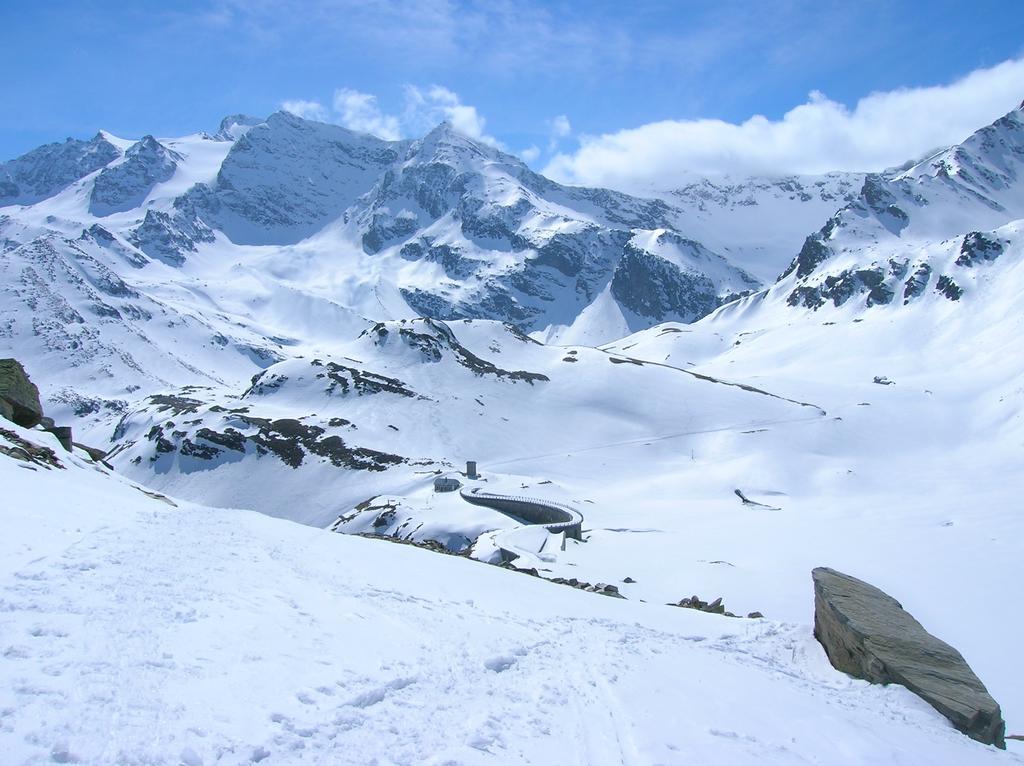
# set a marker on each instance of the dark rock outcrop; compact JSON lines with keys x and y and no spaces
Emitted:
{"x":811,"y":255}
{"x":949,"y":288}
{"x":977,"y":248}
{"x":869,"y":635}
{"x":653,"y":287}
{"x":168,"y":237}
{"x":916,"y":284}
{"x":19,"y":397}
{"x":839,"y":288}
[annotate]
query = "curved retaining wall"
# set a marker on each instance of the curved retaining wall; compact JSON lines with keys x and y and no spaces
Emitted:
{"x":554,"y":517}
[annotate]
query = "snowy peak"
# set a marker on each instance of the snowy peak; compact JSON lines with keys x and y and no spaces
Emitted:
{"x":987,"y":163}
{"x":286,"y":178}
{"x":124,"y":185}
{"x":234,"y":126}
{"x":43,"y":172}
{"x":445,"y":144}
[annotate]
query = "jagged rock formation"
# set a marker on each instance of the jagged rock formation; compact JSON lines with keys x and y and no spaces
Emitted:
{"x":171,"y":236}
{"x":868,"y":634}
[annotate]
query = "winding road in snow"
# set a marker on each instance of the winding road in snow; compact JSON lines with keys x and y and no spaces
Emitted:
{"x":620,"y":358}
{"x":554,"y":517}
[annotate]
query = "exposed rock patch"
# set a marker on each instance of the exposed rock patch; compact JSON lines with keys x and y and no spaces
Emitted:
{"x":436,"y":340}
{"x":29,"y":452}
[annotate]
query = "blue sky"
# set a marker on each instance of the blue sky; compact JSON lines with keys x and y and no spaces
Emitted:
{"x":539,"y":78}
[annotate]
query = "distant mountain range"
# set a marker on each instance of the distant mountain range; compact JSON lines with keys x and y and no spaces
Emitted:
{"x":130,"y":267}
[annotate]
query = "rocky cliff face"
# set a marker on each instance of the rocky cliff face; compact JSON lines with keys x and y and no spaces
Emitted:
{"x":19,"y":396}
{"x":515,"y":246}
{"x":286,"y":178}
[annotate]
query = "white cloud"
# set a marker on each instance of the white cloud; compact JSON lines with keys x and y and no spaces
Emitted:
{"x":427,"y":107}
{"x":424,"y":109}
{"x":530,"y":154}
{"x":882,"y":130}
{"x":307,"y":110}
{"x":560,"y":126}
{"x":359,"y":111}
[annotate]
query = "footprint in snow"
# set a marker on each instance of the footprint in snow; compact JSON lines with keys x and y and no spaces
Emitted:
{"x":500,"y":664}
{"x":378,"y":695}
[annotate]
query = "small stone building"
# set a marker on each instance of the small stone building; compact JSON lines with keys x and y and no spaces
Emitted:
{"x":446,"y":484}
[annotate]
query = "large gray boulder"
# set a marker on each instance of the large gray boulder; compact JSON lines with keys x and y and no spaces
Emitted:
{"x":869,"y":635}
{"x":19,"y":397}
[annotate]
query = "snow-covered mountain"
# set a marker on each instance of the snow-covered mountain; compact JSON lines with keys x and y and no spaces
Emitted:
{"x":931,"y":229}
{"x":284,"y":232}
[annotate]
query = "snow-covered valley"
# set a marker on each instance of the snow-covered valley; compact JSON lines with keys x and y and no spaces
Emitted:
{"x":287,"y":319}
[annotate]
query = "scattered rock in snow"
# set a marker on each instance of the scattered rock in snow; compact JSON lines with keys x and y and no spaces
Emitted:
{"x":714,"y":607}
{"x":602,"y":588}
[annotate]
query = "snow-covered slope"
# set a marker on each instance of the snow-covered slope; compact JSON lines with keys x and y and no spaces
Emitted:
{"x":404,"y":401}
{"x":759,"y":222}
{"x":142,"y":629}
